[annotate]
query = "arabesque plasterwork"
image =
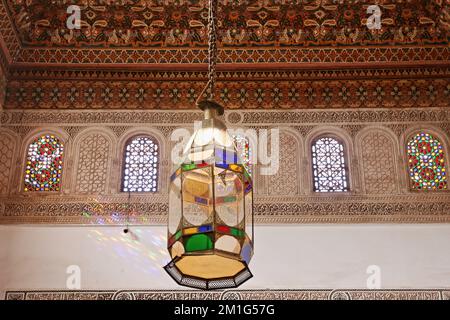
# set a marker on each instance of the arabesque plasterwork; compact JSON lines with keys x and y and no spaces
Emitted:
{"x":378,"y":194}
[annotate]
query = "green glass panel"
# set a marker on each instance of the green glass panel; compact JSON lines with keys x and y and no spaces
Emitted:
{"x":187,"y":167}
{"x":229,"y":199}
{"x":236,"y":232}
{"x":198,"y":242}
{"x":247,"y":175}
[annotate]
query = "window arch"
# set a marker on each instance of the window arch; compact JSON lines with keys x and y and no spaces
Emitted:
{"x":44,"y":164}
{"x":329,"y":165}
{"x":140,"y":169}
{"x":426,"y":162}
{"x":244,"y":151}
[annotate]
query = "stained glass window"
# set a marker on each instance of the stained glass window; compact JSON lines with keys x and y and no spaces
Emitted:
{"x":329,"y":166}
{"x":426,"y":162}
{"x":244,"y":151}
{"x":44,"y":164}
{"x":141,"y":165}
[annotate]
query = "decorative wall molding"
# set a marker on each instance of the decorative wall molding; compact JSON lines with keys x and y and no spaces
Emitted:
{"x":258,"y":294}
{"x":297,"y":118}
{"x":344,"y":209}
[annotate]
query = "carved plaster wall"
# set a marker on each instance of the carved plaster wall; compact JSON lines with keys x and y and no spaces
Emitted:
{"x":375,"y":141}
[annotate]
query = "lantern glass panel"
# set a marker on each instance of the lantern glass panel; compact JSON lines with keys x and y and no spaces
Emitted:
{"x":177,"y":249}
{"x":249,"y":214}
{"x":229,"y":198}
{"x":199,"y":242}
{"x":197,"y":197}
{"x":174,"y":205}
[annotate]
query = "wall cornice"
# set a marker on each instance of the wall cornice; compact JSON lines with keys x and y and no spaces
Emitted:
{"x":116,"y":210}
{"x":245,"y":117}
{"x":258,"y":294}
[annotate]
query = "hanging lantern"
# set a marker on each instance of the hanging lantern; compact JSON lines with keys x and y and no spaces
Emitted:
{"x":210,"y":228}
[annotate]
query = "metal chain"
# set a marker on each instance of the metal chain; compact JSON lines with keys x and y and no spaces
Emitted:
{"x":212,"y":48}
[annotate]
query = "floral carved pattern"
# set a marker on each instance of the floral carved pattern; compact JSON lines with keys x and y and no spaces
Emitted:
{"x":92,"y":164}
{"x":285,"y":181}
{"x":378,"y":163}
{"x":6,"y":156}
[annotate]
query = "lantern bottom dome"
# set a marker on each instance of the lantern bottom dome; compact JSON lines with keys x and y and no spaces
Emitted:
{"x":208,"y":271}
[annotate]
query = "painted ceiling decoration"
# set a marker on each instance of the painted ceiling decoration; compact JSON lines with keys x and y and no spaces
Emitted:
{"x":250,"y":31}
{"x":152,"y":54}
{"x":167,"y":23}
{"x":180,"y":90}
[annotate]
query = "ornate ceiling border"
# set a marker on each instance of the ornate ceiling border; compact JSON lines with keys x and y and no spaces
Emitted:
{"x":171,"y":57}
{"x":242,"y":22}
{"x":258,"y":294}
{"x":281,"y":89}
{"x":403,"y":52}
{"x":285,"y":73}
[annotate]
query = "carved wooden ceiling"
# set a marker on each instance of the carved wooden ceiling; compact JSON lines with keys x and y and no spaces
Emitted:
{"x":138,"y":23}
{"x":151,"y":54}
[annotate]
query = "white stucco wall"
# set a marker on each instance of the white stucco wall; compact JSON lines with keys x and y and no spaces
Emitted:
{"x":303,"y":256}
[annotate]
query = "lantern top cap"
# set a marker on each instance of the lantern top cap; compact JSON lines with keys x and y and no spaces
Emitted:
{"x":210,"y":108}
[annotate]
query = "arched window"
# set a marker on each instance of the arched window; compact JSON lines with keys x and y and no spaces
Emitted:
{"x":244,"y":151}
{"x":329,"y":165}
{"x":44,"y":164}
{"x":140,"y":170}
{"x":426,"y":162}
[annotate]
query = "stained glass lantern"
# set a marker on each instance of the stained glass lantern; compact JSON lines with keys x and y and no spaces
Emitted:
{"x":210,"y":228}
